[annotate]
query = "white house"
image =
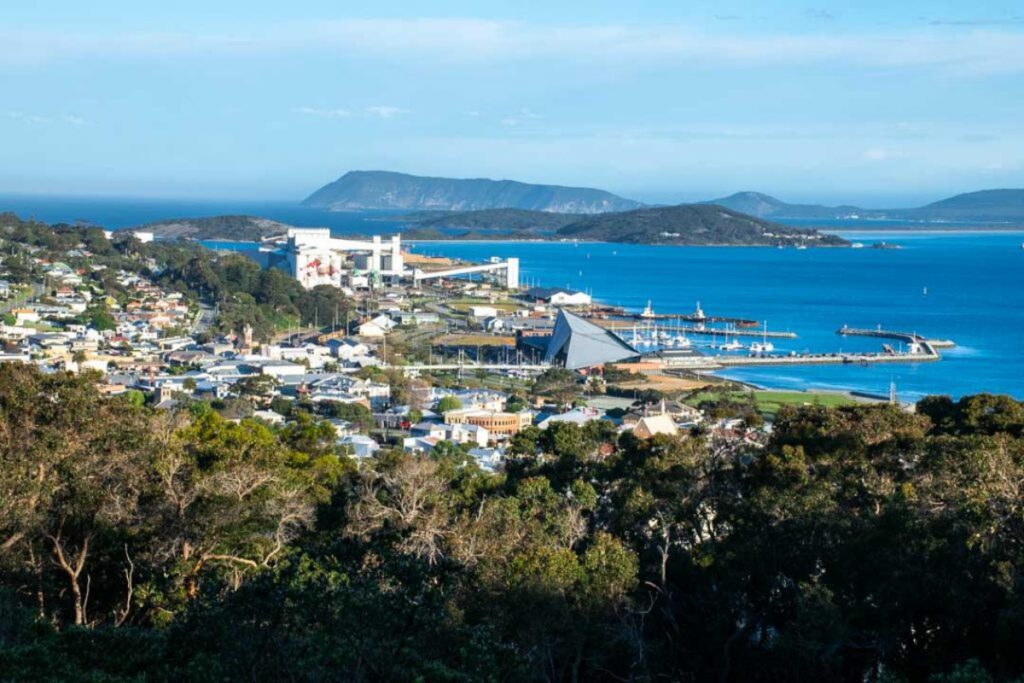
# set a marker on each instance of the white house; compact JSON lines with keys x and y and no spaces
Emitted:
{"x":269,"y":416}
{"x":362,"y":446}
{"x":376,"y":327}
{"x":467,"y":433}
{"x":579,"y":416}
{"x":280,"y":369}
{"x":25,"y":315}
{"x":347,"y":348}
{"x":483,"y":311}
{"x":556,"y":296}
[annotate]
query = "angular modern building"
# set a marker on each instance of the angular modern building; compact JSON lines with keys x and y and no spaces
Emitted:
{"x":577,"y":343}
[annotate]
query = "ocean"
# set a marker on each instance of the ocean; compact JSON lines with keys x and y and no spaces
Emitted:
{"x":964,"y":286}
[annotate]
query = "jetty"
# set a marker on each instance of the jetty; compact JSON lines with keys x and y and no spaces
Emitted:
{"x":693,"y":318}
{"x":698,"y":316}
{"x":908,"y":337}
{"x":619,"y":327}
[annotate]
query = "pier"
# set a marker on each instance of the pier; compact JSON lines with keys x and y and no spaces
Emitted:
{"x":909,"y":337}
{"x":700,"y":330}
{"x":695,"y":318}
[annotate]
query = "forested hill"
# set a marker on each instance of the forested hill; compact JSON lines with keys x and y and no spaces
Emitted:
{"x":232,"y":227}
{"x":361,"y":190}
{"x":687,"y":224}
{"x":492,"y":219}
{"x":692,"y":224}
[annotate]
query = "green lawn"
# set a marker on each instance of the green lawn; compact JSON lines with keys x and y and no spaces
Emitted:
{"x":769,"y":402}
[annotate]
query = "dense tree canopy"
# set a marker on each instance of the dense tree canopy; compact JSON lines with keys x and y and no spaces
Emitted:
{"x":862,"y":544}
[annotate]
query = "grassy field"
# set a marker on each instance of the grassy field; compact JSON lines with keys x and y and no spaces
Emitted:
{"x":464,"y":304}
{"x":769,"y":402}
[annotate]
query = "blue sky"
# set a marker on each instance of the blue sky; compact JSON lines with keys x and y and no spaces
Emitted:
{"x":881,"y":103}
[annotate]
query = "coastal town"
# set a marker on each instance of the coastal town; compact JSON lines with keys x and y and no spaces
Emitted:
{"x":443,"y":359}
{"x":512,"y":342}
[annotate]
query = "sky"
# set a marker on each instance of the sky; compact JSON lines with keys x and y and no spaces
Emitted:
{"x":878,"y":103}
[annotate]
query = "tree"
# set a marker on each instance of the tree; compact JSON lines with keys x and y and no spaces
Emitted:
{"x":448,"y":404}
{"x":255,"y":385}
{"x":100,"y":319}
{"x":558,"y":383}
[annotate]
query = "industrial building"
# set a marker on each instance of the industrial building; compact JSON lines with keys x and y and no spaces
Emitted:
{"x":316,"y":258}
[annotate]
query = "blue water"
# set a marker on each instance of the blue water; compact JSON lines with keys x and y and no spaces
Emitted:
{"x":974,"y":283}
{"x":974,"y":296}
{"x":116,"y":213}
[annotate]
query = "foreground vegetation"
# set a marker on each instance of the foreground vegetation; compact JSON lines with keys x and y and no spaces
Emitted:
{"x":863,"y":543}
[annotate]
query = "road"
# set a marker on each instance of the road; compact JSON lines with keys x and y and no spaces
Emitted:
{"x":204,"y":321}
{"x":14,"y":302}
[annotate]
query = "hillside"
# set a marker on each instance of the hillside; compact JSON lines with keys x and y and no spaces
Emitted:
{"x":765,"y":206}
{"x":240,"y":228}
{"x":362,"y":190}
{"x":985,"y":206}
{"x":493,"y":219}
{"x":692,"y":224}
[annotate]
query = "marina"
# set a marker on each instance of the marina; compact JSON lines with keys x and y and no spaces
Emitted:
{"x":809,"y":295}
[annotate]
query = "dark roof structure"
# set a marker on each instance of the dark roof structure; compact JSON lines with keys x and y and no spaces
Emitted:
{"x":577,"y":343}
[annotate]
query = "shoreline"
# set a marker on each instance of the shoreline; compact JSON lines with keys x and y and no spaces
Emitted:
{"x":415,"y":241}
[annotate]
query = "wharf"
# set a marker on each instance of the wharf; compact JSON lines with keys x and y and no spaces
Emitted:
{"x":694,"y":318}
{"x":618,"y":327}
{"x":909,"y":337}
{"x":699,"y":362}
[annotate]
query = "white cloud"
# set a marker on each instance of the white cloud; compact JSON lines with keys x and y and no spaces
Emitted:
{"x":323,"y":113}
{"x":386,"y":111}
{"x":69,"y":119}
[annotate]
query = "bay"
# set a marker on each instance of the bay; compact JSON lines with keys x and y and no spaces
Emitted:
{"x":974,"y":281}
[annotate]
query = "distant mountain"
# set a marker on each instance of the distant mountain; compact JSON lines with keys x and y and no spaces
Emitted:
{"x":985,"y":206}
{"x":995,"y":206}
{"x":240,"y":228}
{"x":692,"y":224}
{"x":362,"y":190}
{"x":766,"y":206}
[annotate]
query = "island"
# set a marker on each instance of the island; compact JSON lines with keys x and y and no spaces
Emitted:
{"x":371,"y":190}
{"x":685,"y":225}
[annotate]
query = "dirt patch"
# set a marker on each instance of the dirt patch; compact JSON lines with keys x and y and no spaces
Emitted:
{"x":475,"y":340}
{"x":420,"y":260}
{"x":665,"y":383}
